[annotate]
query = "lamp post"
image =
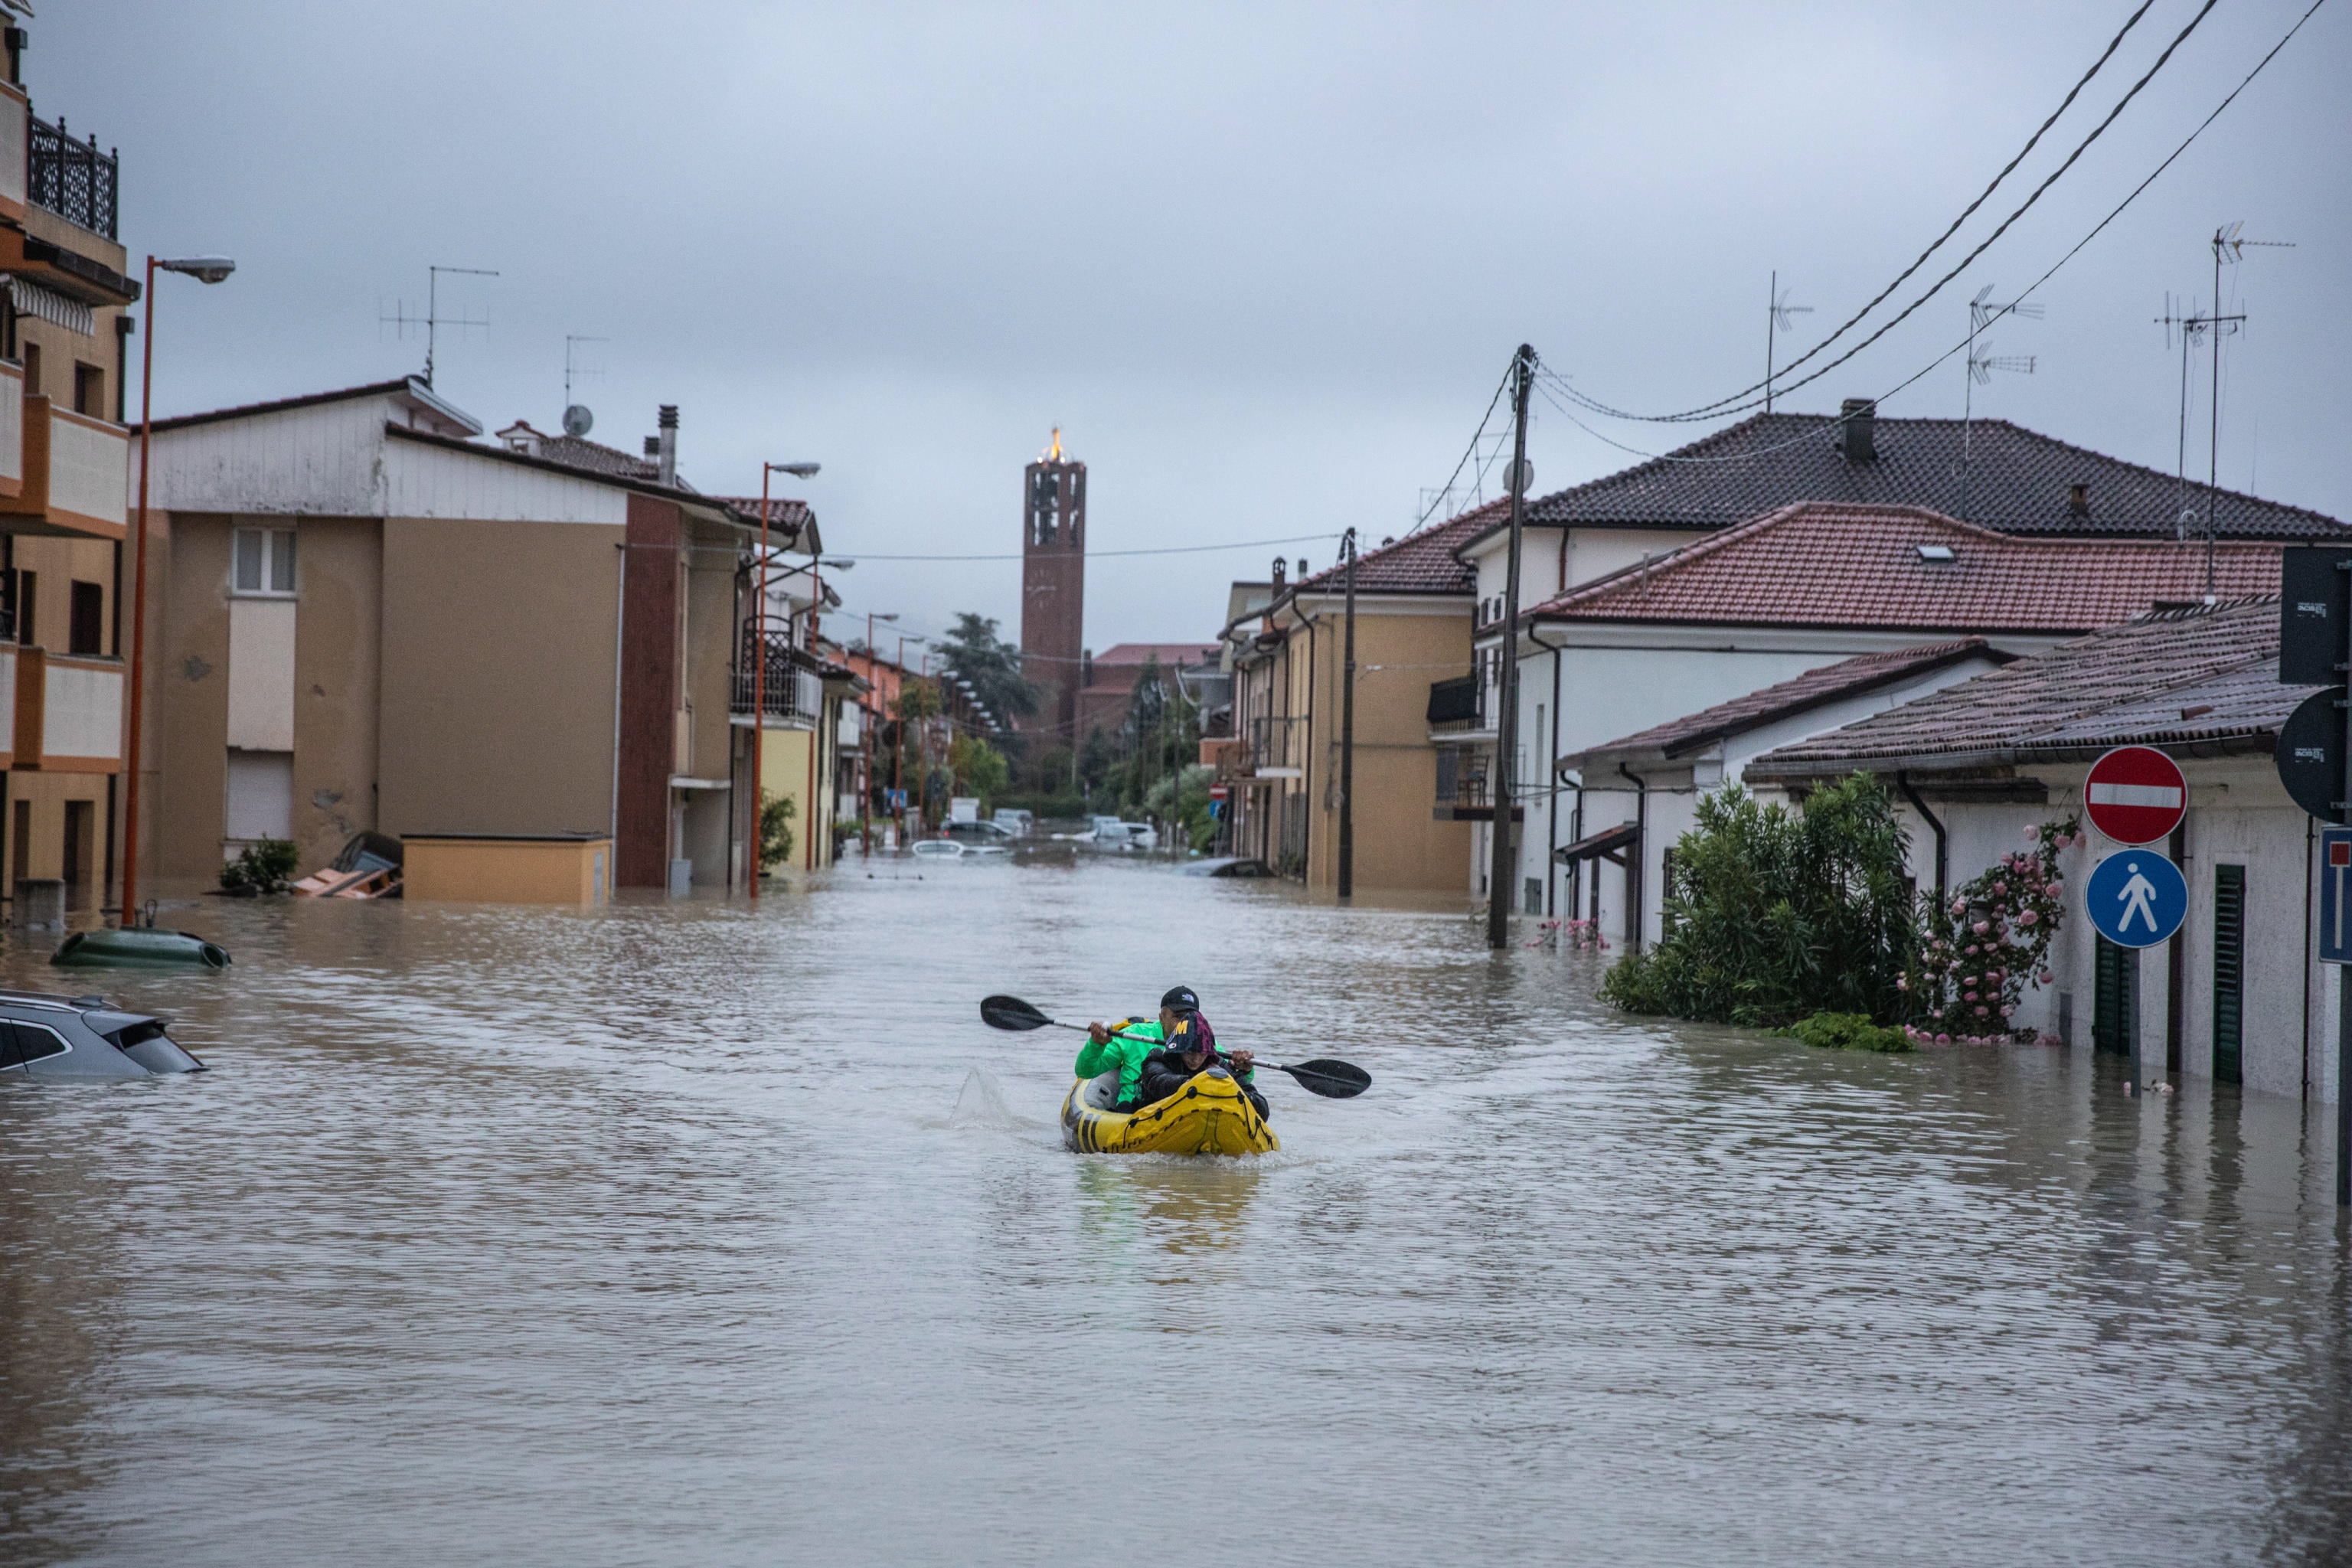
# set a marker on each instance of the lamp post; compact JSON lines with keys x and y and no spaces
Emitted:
{"x":759,"y":677}
{"x":203,"y":270}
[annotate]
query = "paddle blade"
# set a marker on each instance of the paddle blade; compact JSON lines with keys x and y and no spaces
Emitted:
{"x":1011,"y":1013}
{"x":1331,"y":1079}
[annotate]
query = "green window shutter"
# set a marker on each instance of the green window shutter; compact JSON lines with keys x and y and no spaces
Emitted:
{"x":2114,"y":1000}
{"x":2229,"y":973}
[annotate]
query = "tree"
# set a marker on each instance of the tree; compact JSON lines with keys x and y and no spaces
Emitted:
{"x":1772,"y":915}
{"x":973,"y":651}
{"x":979,"y":769}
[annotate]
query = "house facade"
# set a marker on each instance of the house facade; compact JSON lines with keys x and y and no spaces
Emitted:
{"x":2007,"y":482}
{"x":65,"y":339}
{"x":2235,"y":997}
{"x":1771,"y":602}
{"x":366,"y":619}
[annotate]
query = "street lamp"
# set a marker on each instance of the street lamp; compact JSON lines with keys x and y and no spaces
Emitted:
{"x":759,"y":677}
{"x":203,"y":270}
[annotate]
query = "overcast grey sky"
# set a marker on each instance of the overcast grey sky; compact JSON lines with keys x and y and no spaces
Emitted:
{"x":1264,"y":265}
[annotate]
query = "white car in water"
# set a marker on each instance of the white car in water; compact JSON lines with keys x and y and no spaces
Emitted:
{"x":1142,"y":835}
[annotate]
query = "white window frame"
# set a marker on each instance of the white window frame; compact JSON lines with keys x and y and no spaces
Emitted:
{"x":271,"y":586}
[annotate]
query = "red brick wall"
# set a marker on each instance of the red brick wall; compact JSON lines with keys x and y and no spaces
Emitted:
{"x":649,"y":687}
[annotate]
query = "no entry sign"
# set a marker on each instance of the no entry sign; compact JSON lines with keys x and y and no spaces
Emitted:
{"x":2136,"y":794}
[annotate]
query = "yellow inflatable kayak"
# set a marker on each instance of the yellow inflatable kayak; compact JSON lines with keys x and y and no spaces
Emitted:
{"x":1210,"y":1115}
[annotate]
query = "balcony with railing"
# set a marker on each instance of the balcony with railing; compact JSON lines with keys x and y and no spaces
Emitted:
{"x":1458,"y":708}
{"x":794,"y":687}
{"x":1273,"y":748}
{"x":73,"y":473}
{"x":72,"y":179}
{"x":1464,"y":792}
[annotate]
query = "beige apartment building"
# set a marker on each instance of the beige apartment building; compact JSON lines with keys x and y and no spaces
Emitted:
{"x":365,"y":618}
{"x":1281,"y":765}
{"x":63,"y":338}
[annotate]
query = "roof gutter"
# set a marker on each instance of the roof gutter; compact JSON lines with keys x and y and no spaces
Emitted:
{"x":1935,"y":823}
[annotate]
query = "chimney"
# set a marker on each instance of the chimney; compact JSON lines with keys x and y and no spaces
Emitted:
{"x":1281,"y":570}
{"x":666,"y":447}
{"x":1858,"y":429}
{"x":2078,"y":501}
{"x":1302,"y":566}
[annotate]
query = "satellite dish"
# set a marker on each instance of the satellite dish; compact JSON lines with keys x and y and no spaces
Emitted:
{"x":578,"y":421}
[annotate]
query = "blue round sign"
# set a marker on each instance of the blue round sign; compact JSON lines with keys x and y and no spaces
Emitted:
{"x":2136,"y":897}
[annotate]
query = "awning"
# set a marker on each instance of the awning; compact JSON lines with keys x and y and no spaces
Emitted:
{"x":50,"y":306}
{"x":1609,"y":844}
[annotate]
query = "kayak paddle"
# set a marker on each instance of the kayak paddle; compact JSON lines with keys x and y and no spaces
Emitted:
{"x":1331,"y":1079}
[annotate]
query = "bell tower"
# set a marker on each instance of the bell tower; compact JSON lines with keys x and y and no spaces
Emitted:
{"x":1054,"y":585}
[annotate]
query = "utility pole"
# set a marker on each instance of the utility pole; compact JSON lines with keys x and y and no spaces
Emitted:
{"x":1502,"y":864}
{"x":1348,"y":737}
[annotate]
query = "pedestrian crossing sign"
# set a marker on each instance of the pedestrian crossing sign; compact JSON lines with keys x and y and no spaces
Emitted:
{"x":2136,"y":897}
{"x":2335,"y":895}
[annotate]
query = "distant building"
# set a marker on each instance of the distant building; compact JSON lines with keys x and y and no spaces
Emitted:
{"x":1110,"y":677}
{"x":1053,"y":587}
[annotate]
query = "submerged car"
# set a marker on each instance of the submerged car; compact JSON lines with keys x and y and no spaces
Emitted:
{"x":59,"y":1038}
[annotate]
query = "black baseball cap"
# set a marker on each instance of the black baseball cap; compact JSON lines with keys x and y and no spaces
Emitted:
{"x":1180,"y":1000}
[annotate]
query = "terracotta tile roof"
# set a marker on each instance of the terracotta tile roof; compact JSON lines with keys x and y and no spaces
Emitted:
{"x":1814,"y":688}
{"x":1421,"y":562}
{"x":1840,"y":565}
{"x":2201,"y":678}
{"x":1134,"y":653}
{"x":2017,"y":482}
{"x":784,"y":516}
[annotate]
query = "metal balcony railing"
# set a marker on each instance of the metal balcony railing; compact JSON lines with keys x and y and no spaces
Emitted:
{"x":70,"y":178}
{"x":1276,"y":744}
{"x":794,"y":689}
{"x":1457,"y":707}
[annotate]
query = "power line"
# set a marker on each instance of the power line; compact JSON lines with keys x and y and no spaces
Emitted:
{"x":2075,"y":249}
{"x":1724,"y":407}
{"x":1099,"y":554}
{"x":1969,"y":211}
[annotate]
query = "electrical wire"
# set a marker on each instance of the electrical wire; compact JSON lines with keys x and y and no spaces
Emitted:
{"x":2023,"y":295}
{"x":1723,"y":407}
{"x":1101,"y":554}
{"x":1966,"y":212}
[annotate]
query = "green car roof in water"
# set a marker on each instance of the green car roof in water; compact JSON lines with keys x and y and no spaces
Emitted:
{"x":138,"y":947}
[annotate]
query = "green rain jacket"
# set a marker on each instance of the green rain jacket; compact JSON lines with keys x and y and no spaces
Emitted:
{"x":1127,"y":1056}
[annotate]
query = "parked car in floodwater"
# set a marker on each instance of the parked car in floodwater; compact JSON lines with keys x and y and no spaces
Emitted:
{"x":976,"y":834}
{"x":1019,"y":823}
{"x":57,"y":1039}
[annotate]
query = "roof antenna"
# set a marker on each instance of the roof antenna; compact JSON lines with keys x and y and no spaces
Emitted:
{"x":1983,"y":311}
{"x":1780,"y":317}
{"x":577,"y":420}
{"x":432,"y":321}
{"x":2230,"y":248}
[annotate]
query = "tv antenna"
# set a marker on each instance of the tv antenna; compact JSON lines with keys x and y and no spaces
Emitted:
{"x":1781,"y":318}
{"x":1983,"y":311}
{"x":432,"y":321}
{"x":577,"y":420}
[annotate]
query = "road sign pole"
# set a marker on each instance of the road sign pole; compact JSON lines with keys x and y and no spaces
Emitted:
{"x":2344,"y":972}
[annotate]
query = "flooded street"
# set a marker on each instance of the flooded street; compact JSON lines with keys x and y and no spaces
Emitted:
{"x":686,"y":1233}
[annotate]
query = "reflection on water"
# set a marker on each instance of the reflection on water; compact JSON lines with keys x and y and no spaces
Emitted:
{"x":693,"y":1234}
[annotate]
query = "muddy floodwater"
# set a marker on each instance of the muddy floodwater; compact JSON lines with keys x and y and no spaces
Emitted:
{"x":688,"y":1234}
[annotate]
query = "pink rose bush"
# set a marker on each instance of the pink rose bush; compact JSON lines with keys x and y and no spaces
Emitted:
{"x":1977,"y":952}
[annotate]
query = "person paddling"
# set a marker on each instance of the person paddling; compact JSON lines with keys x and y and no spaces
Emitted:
{"x":1140,"y":1047}
{"x":1189,"y":1046}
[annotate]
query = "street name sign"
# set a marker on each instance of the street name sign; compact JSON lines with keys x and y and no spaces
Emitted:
{"x":2335,"y":895}
{"x":2136,"y":794}
{"x":2136,"y":897}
